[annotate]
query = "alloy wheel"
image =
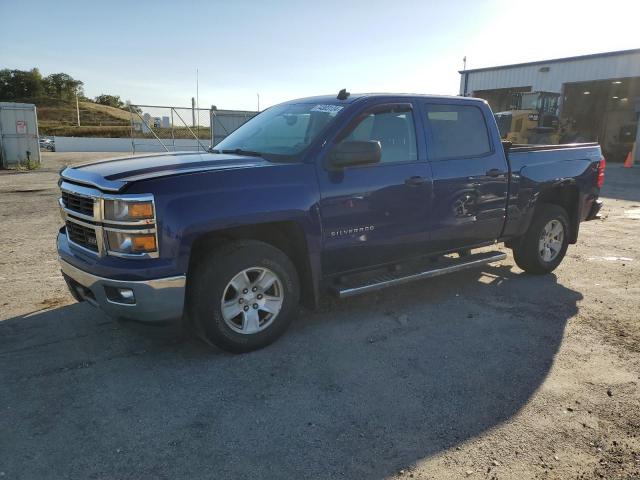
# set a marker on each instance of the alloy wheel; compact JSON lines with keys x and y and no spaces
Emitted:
{"x":252,"y":300}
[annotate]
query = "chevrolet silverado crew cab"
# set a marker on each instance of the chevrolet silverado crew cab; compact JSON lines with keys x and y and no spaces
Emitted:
{"x":343,"y":194}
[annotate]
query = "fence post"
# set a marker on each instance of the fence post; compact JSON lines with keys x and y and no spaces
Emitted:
{"x":636,"y":149}
{"x":133,"y":143}
{"x":212,"y":122}
{"x":2,"y":155}
{"x":193,"y":114}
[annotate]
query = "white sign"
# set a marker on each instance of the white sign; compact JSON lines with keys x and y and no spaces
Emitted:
{"x":331,"y":109}
{"x":21,"y":127}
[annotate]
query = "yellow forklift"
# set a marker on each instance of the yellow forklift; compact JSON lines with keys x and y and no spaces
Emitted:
{"x":532,"y":119}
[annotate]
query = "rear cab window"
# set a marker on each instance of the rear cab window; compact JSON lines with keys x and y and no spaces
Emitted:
{"x":456,"y":131}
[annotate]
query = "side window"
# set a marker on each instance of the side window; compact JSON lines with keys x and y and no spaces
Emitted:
{"x":457,"y":131}
{"x":394,"y":130}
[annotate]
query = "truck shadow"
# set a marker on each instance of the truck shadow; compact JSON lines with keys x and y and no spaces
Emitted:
{"x":359,"y":389}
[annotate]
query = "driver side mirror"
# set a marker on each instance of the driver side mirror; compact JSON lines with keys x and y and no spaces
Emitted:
{"x":354,"y":153}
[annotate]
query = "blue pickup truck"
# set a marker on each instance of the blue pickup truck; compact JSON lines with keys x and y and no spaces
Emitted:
{"x":337,"y":194}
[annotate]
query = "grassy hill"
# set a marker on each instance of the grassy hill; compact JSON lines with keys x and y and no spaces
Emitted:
{"x":97,"y":109}
{"x":57,"y":117}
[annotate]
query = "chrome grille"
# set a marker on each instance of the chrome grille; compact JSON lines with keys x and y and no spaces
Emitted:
{"x":83,"y":236}
{"x":78,"y":203}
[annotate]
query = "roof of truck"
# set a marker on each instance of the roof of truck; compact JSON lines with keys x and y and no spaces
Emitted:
{"x":357,"y":96}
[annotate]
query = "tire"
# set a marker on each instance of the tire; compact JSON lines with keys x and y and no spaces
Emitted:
{"x":219,"y":277}
{"x":530,"y":252}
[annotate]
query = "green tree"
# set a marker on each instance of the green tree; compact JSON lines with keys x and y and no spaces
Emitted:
{"x":20,"y":84}
{"x":110,"y":100}
{"x":132,"y":108}
{"x":63,"y":86}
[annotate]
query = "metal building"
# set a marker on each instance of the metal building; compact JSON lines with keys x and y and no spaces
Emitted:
{"x":223,"y":122}
{"x":598,"y":95}
{"x":18,"y":134}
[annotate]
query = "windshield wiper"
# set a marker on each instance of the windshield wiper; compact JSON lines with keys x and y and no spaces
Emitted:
{"x":240,"y":151}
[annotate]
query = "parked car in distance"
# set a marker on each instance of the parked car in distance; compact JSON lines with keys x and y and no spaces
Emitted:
{"x":341,"y":195}
{"x":47,"y":144}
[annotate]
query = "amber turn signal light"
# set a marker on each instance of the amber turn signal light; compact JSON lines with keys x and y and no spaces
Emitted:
{"x":144,"y":243}
{"x":141,"y":210}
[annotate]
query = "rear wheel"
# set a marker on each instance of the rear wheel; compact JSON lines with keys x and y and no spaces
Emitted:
{"x":545,"y":244}
{"x":244,"y":295}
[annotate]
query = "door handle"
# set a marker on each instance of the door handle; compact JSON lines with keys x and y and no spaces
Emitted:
{"x":495,"y":172}
{"x":415,"y":180}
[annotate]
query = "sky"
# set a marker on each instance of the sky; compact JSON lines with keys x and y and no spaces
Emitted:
{"x":148,"y":51}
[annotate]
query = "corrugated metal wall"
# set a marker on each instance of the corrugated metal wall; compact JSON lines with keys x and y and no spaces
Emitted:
{"x":18,"y":134}
{"x":226,"y":121}
{"x":625,"y":64}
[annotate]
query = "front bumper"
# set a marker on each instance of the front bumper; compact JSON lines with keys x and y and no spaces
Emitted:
{"x":153,"y":300}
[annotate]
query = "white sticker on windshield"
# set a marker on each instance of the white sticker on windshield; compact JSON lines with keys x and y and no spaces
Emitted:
{"x":327,"y":108}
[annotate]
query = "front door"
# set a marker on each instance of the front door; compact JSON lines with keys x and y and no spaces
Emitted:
{"x":377,"y":213}
{"x":469,"y":176}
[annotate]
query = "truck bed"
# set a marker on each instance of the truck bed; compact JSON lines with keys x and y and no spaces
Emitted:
{"x":521,"y":147}
{"x":572,"y":167}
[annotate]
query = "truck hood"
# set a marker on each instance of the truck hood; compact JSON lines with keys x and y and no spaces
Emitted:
{"x":114,"y":174}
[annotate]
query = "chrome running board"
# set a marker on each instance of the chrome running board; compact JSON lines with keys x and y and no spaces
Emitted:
{"x":347,"y":288}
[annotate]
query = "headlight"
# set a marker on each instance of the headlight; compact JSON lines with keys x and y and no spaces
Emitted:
{"x":131,"y":243}
{"x":128,"y":210}
{"x":129,"y":226}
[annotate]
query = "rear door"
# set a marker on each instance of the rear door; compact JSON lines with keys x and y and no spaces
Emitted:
{"x":377,"y":213}
{"x":470,"y":175}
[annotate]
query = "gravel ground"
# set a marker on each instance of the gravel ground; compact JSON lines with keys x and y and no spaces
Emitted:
{"x":482,"y":374}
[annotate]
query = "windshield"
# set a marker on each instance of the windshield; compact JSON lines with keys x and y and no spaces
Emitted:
{"x":284,"y":130}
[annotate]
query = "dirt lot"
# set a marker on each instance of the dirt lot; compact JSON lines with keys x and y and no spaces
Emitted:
{"x":483,"y":374}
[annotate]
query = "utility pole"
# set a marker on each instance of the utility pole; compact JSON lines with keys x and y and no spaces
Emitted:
{"x":77,"y":107}
{"x":193,"y":112}
{"x":258,"y":101}
{"x":198,"y":107}
{"x":466,"y":76}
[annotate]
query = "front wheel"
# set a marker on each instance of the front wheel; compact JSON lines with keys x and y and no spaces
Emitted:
{"x":244,"y":295}
{"x":545,"y":244}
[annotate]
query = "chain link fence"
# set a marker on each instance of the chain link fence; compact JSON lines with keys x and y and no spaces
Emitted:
{"x":182,"y":128}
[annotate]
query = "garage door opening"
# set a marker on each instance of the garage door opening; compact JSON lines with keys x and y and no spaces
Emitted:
{"x":602,"y":111}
